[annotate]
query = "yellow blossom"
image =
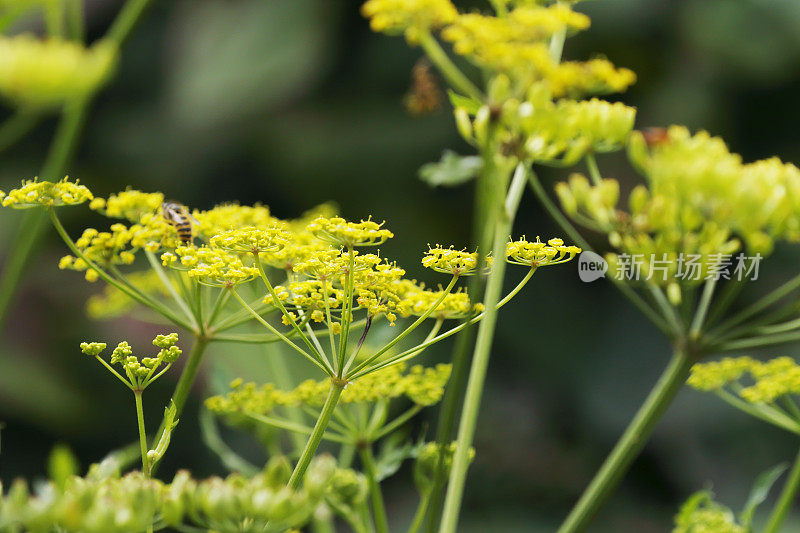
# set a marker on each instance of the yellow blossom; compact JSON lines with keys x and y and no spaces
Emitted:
{"x":129,"y":204}
{"x":413,"y":18}
{"x":35,"y":193}
{"x":44,"y":73}
{"x":538,"y":254}
{"x":339,"y":232}
{"x":451,"y":261}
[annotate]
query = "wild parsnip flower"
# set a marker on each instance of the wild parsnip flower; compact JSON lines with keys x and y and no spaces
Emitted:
{"x":309,"y":296}
{"x":427,"y":463}
{"x":139,"y":370}
{"x":210,"y":266}
{"x":339,"y":232}
{"x":451,"y":261}
{"x":45,"y":73}
{"x":333,"y":265}
{"x":764,"y":382}
{"x":698,"y":199}
{"x":103,"y":502}
{"x":413,"y":18}
{"x":575,"y":79}
{"x":104,"y":248}
{"x":253,"y":240}
{"x":515,"y":43}
{"x":423,"y":386}
{"x":35,"y":193}
{"x":232,"y":216}
{"x":538,"y":254}
{"x":416,"y":300}
{"x":701,"y":514}
{"x":129,"y":204}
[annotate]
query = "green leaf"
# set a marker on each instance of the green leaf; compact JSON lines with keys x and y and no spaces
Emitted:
{"x":688,"y":508}
{"x":395,"y":450}
{"x":470,"y":104}
{"x":760,"y":491}
{"x":451,"y":170}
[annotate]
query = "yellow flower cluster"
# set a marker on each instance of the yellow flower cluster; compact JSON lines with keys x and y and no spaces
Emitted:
{"x":35,"y":193}
{"x":538,"y":254}
{"x":339,"y":232}
{"x":537,"y":129}
{"x":414,"y":18}
{"x":101,"y":247}
{"x":452,"y":261}
{"x":423,"y":386}
{"x":309,"y":296}
{"x":770,"y":380}
{"x":514,"y":43}
{"x":416,"y":300}
{"x":226,"y":217}
{"x":129,"y":204}
{"x":210,"y":266}
{"x":45,"y":73}
{"x":135,"y":368}
{"x":701,"y":514}
{"x":252,"y":239}
{"x":698,"y":198}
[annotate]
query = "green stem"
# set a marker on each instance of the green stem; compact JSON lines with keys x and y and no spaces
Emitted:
{"x":419,"y":516}
{"x":576,"y":237}
{"x":137,"y":394}
{"x":477,"y":377}
{"x":408,"y":330}
{"x":449,"y":70}
{"x":764,"y":302}
{"x":126,"y":20}
{"x":594,"y":171}
{"x":786,"y":499}
{"x":142,"y":299}
{"x":483,"y":222}
{"x":702,"y":309}
{"x":283,"y":337}
{"x":337,"y":386}
{"x":378,"y":507}
{"x":630,"y":444}
{"x":184,"y":386}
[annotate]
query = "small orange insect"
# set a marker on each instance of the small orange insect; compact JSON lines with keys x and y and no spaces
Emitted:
{"x":424,"y":96}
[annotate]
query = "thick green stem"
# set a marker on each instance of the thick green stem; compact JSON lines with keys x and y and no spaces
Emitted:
{"x":371,"y":470}
{"x":137,"y":394}
{"x":630,"y":444}
{"x":337,"y":386}
{"x":477,"y":377}
{"x":184,"y":386}
{"x":786,"y":499}
{"x":482,"y":224}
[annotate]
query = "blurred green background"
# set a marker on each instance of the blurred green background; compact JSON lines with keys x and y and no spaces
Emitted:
{"x":297,"y":103}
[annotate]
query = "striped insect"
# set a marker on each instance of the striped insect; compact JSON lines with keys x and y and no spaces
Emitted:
{"x":178,"y":215}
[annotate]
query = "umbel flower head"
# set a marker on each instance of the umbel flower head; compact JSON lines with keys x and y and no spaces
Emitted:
{"x":413,"y":18}
{"x":140,"y":372}
{"x":35,"y":193}
{"x":698,"y":199}
{"x":423,"y":386}
{"x":45,"y":73}
{"x":339,"y":232}
{"x":252,"y":239}
{"x":767,"y":381}
{"x":210,"y":266}
{"x":452,"y":261}
{"x":538,"y":254}
{"x":129,"y":204}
